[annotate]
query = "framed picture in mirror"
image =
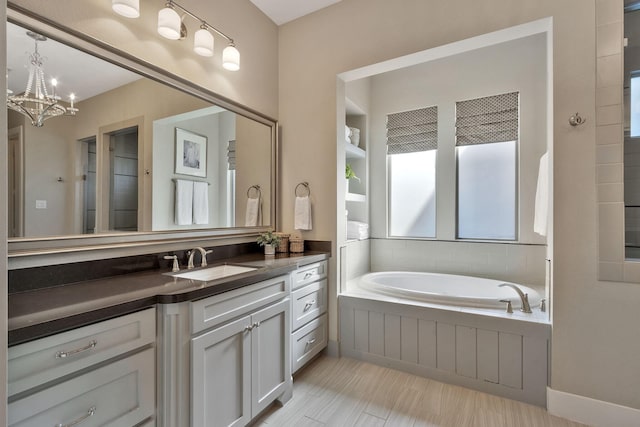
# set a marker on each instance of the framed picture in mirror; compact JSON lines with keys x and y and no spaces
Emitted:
{"x":191,"y":153}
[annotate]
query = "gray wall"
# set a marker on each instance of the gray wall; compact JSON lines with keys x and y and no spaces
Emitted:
{"x":591,"y":354}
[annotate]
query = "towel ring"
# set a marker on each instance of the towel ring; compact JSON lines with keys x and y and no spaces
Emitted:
{"x":255,"y":187}
{"x":306,"y":186}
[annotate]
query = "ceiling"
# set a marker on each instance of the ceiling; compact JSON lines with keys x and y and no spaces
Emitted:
{"x":283,"y":11}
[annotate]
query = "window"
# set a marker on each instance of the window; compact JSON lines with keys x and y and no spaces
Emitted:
{"x":412,"y":142}
{"x":486,"y":150}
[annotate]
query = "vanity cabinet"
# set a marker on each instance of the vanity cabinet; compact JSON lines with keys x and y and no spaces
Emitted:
{"x":102,"y":374}
{"x":308,"y":308}
{"x":240,"y":368}
{"x":227,"y":357}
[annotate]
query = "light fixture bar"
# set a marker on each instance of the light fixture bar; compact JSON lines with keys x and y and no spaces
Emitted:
{"x":204,"y":23}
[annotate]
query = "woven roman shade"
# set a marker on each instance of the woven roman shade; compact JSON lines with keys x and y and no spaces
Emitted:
{"x":412,"y":131}
{"x":231,"y":155}
{"x":488,"y":119}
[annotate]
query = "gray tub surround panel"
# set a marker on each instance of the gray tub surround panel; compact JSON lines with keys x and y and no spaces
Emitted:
{"x":502,"y":356}
{"x":39,"y":313}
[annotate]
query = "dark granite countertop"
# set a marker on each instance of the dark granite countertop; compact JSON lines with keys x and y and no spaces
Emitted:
{"x":39,"y":313}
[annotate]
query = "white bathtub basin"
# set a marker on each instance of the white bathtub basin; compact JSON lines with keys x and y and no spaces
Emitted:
{"x":446,"y":289}
{"x":214,"y":273}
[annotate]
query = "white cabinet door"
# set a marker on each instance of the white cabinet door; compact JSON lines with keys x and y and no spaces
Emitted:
{"x":271,"y":361}
{"x":221,"y":376}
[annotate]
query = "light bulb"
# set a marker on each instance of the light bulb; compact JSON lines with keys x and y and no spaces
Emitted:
{"x":54,"y":82}
{"x":203,"y":42}
{"x":72,"y":97}
{"x":169,"y":23}
{"x":231,"y":58}
{"x":126,"y":8}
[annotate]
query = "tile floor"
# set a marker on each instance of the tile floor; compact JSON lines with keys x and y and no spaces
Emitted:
{"x":345,"y":392}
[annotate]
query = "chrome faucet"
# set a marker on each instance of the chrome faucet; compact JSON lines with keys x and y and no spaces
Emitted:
{"x":203,"y":256}
{"x":524,"y":298}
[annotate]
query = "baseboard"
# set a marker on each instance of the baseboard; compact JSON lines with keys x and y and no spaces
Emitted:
{"x":597,"y":413}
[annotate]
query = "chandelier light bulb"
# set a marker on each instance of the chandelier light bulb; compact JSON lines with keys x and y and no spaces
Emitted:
{"x":203,"y":42}
{"x":231,"y":58}
{"x":72,"y":98}
{"x":169,"y":23}
{"x":54,"y":82}
{"x":126,"y":8}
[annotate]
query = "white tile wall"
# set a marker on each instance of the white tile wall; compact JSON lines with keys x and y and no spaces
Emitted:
{"x":358,"y":258}
{"x":609,"y":149}
{"x":523,"y":264}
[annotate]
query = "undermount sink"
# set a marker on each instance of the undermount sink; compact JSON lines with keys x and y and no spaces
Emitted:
{"x":213,"y":273}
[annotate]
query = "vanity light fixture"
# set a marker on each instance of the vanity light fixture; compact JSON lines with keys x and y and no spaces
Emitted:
{"x":36,"y":102}
{"x":171,"y":26}
{"x":126,"y":8}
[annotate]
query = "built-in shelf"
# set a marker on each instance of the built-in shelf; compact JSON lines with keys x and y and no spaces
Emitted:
{"x":354,"y":197}
{"x":353,"y":152}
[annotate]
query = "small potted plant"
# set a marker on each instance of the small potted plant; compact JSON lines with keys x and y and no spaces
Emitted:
{"x":349,"y":174}
{"x":270,"y":241}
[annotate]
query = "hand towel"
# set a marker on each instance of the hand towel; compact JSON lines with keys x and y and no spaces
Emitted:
{"x":302,"y":214}
{"x":252,"y":215}
{"x":542,"y":197}
{"x":200,"y":202}
{"x":184,"y":202}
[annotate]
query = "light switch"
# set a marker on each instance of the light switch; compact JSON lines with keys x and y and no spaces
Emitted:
{"x":41,"y":204}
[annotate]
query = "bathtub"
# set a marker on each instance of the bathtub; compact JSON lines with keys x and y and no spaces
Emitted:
{"x":448,"y":328}
{"x":448,"y":289}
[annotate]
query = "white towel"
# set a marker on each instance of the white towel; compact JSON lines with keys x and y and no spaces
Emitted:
{"x":252,"y":215}
{"x":184,"y":202}
{"x":302,"y":214}
{"x":542,"y":197}
{"x":357,"y":230}
{"x":200,"y":202}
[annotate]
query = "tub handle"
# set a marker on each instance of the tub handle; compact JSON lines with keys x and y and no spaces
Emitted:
{"x":308,"y":305}
{"x":509,"y":307}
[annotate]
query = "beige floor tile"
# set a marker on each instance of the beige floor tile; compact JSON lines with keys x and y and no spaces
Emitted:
{"x":339,"y":392}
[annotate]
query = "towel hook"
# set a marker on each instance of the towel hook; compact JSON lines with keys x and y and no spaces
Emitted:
{"x":306,"y":186}
{"x":255,"y":187}
{"x":576,"y":120}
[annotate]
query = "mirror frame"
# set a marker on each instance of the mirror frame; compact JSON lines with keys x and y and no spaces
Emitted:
{"x":612,"y":263}
{"x":29,"y":252}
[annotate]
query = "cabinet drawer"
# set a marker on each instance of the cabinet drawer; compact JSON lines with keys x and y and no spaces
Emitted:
{"x":308,"y":303}
{"x":309,"y":273}
{"x":38,"y":362}
{"x":308,"y":341}
{"x":119,"y":394}
{"x":217,"y":309}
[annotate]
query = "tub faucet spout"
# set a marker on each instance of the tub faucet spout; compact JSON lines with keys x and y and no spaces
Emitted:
{"x":524,"y":298}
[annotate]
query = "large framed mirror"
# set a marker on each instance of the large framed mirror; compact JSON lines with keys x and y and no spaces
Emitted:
{"x":138,"y":155}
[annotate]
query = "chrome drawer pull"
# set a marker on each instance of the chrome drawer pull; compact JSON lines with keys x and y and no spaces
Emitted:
{"x":311,"y":341}
{"x":63,"y":354}
{"x":90,"y":413}
{"x":251,"y":327}
{"x":308,"y":305}
{"x":308,"y":274}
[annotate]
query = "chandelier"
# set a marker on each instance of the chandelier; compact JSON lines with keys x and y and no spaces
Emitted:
{"x":36,"y":102}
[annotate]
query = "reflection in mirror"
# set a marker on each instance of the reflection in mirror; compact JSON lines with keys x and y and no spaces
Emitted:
{"x":632,"y":129}
{"x":116,"y":165}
